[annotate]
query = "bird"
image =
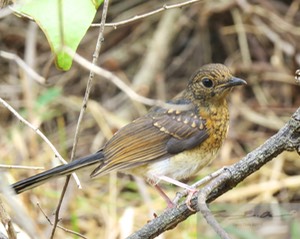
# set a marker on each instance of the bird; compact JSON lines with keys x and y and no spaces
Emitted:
{"x":171,"y":142}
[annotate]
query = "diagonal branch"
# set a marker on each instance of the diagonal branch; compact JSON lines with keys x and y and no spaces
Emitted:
{"x":148,"y":14}
{"x":83,"y":109}
{"x":287,"y":139}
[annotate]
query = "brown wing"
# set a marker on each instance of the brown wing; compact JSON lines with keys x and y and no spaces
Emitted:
{"x":155,"y":136}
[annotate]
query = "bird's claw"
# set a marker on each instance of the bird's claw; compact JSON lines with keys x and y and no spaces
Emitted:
{"x":189,"y":198}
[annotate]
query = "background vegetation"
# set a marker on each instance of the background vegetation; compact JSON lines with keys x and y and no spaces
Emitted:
{"x":258,"y":40}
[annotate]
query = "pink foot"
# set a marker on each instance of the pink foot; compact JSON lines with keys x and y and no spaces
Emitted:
{"x":189,"y":198}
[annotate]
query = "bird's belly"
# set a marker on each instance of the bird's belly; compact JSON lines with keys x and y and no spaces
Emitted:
{"x":180,"y":166}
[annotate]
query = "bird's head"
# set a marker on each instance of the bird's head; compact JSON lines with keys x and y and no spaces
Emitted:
{"x":212,"y":83}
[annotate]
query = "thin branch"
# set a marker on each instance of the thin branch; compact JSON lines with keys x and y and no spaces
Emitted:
{"x":7,"y":223}
{"x":33,"y":74}
{"x":148,"y":14}
{"x":297,"y":76}
{"x":205,"y":211}
{"x":39,"y":132}
{"x":59,"y":226}
{"x":113,"y":78}
{"x":83,"y":109}
{"x":132,"y":19}
{"x":121,"y":85}
{"x":20,"y":167}
{"x":287,"y":139}
{"x":198,"y":184}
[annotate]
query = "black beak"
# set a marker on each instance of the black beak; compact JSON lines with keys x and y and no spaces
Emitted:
{"x":234,"y":81}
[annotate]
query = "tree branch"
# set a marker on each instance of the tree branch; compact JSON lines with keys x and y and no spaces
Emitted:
{"x":7,"y":223}
{"x":83,"y":109}
{"x":287,"y":139}
{"x":148,"y":14}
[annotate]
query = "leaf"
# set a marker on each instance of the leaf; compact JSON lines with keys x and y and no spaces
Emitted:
{"x":97,"y":3}
{"x":42,"y":104}
{"x":50,"y":95}
{"x":295,"y":229}
{"x":67,"y":30}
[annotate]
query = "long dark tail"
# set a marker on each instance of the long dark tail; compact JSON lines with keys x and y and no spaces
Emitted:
{"x":58,"y":171}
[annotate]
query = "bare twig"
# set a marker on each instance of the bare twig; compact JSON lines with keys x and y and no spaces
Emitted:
{"x":197,"y":184}
{"x":132,"y":19}
{"x":141,"y":16}
{"x":7,"y":223}
{"x":203,"y":208}
{"x":19,"y":167}
{"x":23,"y":65}
{"x":121,"y":85}
{"x":38,"y":132}
{"x":59,"y":226}
{"x":83,"y":109}
{"x":113,"y":78}
{"x":297,"y":76}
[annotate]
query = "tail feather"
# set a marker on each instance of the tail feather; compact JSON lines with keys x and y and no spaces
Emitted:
{"x":59,"y":171}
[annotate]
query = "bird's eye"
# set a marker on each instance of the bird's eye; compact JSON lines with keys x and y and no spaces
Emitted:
{"x":207,"y":82}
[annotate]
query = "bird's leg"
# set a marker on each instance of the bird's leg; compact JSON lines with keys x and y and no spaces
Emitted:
{"x":175,"y":182}
{"x":154,"y":183}
{"x":197,"y":184}
{"x":169,"y":202}
{"x":191,"y":190}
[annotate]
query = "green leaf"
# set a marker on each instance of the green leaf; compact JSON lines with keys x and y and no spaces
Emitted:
{"x":295,"y":230}
{"x":67,"y":30}
{"x":42,"y":104}
{"x":48,"y":96}
{"x":97,"y":3}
